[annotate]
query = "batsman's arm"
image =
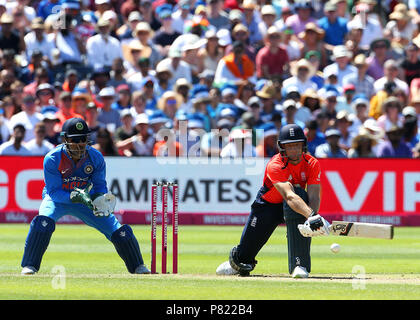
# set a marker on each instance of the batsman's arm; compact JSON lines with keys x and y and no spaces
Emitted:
{"x":295,"y":202}
{"x":314,"y":196}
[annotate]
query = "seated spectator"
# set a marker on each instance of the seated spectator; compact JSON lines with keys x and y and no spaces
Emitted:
{"x":377,"y":101}
{"x":391,"y":73}
{"x":313,"y":40}
{"x":70,"y":47}
{"x":401,"y":28}
{"x":79,"y":101}
{"x":28,"y":117}
{"x":137,"y":80}
{"x":124,"y":97}
{"x":169,"y":103}
{"x":140,"y":144}
{"x":108,"y":116}
{"x":181,"y":14}
{"x":210,"y":54}
{"x":380,"y":53}
{"x":411,"y":135}
{"x":302,"y":72}
{"x":342,"y":57}
{"x":37,"y":40}
{"x":391,"y":114}
{"x":105,"y":143}
{"x":92,"y":121}
{"x":411,"y":63}
{"x":313,"y":135}
{"x":343,"y":123}
{"x":143,"y":33}
{"x":166,"y":35}
{"x":344,"y":101}
{"x":360,"y":105}
{"x":9,"y":36}
{"x":215,"y":14}
{"x":268,"y":17}
{"x":102,"y":48}
{"x":362,"y":82}
{"x":272,"y":58}
{"x":213,"y":142}
{"x":335,"y":27}
{"x":70,"y":80}
{"x":45,"y":95}
{"x":176,"y":66}
{"x":331,"y":149}
{"x":15,"y":146}
{"x":117,"y":73}
{"x":268,"y":145}
{"x":394,"y":146}
{"x":251,"y":20}
{"x":39,"y":146}
{"x":362,"y":145}
{"x":235,"y":66}
{"x":65,"y":111}
{"x":302,"y":17}
{"x":52,"y":128}
{"x":131,"y":19}
{"x":292,"y":46}
{"x":126,"y":130}
{"x":289,"y":109}
{"x":268,"y":105}
{"x":239,"y":146}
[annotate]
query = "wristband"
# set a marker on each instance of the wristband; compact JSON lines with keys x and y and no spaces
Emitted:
{"x":313,"y":213}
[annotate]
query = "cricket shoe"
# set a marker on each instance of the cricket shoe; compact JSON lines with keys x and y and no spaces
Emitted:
{"x":28,"y":271}
{"x":300,"y":272}
{"x":225,"y":269}
{"x":142,"y":269}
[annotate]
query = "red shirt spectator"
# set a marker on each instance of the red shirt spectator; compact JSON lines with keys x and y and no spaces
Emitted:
{"x":272,"y":58}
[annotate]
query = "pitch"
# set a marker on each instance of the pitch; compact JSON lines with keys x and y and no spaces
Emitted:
{"x":81,"y":264}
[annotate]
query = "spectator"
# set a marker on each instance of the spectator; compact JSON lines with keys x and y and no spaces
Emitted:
{"x":331,"y":149}
{"x":92,"y":121}
{"x":28,"y":117}
{"x":235,"y":66}
{"x":102,"y":48}
{"x":124,"y":97}
{"x":176,"y":66}
{"x":266,"y":96}
{"x":302,"y":17}
{"x":126,"y":130}
{"x":181,"y":15}
{"x":65,"y":111}
{"x":343,"y":123}
{"x":289,"y":111}
{"x":125,"y":32}
{"x":360,"y":106}
{"x":117,"y":73}
{"x":251,"y":20}
{"x":211,"y":53}
{"x":292,"y":47}
{"x":143,"y":33}
{"x":411,"y":134}
{"x":169,"y":103}
{"x":48,"y":7}
{"x":335,"y":27}
{"x":286,"y":12}
{"x":309,"y":102}
{"x":140,"y":144}
{"x":9,"y":37}
{"x":7,"y":110}
{"x":39,"y":146}
{"x":268,"y":15}
{"x":342,"y":57}
{"x":301,"y":77}
{"x":15,"y":146}
{"x":216,"y":16}
{"x":182,"y":88}
{"x":241,"y":33}
{"x":344,"y":101}
{"x":213,"y":142}
{"x":394,"y":146}
{"x":391,"y":114}
{"x":52,"y":128}
{"x":362,"y":82}
{"x":239,"y":146}
{"x":272,"y":58}
{"x":70,"y":80}
{"x":108,"y":116}
{"x":166,"y":35}
{"x":246,"y":90}
{"x":70,"y":46}
{"x":362,"y":145}
{"x":400,"y":29}
{"x":38,"y":40}
{"x":45,"y":95}
{"x":6,"y":79}
{"x":379,"y":55}
{"x":411,"y":63}
{"x":105,"y":143}
{"x":314,"y":137}
{"x":79,"y":101}
{"x":100,"y":78}
{"x":313,"y":40}
{"x":391,"y":73}
{"x":268,"y":145}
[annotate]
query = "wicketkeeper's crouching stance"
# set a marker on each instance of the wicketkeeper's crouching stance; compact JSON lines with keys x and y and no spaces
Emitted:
{"x":74,"y":175}
{"x":283,"y":198}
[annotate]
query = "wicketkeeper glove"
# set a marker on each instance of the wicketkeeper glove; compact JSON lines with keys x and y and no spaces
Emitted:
{"x":315,"y":225}
{"x":104,"y":204}
{"x":82,"y":196}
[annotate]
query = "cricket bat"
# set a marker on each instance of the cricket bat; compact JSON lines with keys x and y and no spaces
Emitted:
{"x":362,"y":230}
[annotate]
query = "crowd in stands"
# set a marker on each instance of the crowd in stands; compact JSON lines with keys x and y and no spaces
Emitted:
{"x":222,"y":77}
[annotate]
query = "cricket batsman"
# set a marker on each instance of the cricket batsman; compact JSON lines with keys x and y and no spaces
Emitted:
{"x":283,"y":199}
{"x":74,"y":175}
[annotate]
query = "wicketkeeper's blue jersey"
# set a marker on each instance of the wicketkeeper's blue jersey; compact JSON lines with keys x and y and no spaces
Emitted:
{"x":61,"y":175}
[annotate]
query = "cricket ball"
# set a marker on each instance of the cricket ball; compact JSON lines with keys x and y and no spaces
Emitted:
{"x":335,"y":248}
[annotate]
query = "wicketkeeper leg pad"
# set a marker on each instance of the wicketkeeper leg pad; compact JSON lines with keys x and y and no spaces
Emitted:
{"x":127,"y":247}
{"x":299,"y":247}
{"x":37,"y":241}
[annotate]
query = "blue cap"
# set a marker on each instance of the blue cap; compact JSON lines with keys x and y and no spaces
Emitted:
{"x":157,"y":116}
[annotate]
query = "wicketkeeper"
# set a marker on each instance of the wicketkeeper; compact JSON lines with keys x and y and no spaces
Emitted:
{"x":74,"y":175}
{"x":283,"y":198}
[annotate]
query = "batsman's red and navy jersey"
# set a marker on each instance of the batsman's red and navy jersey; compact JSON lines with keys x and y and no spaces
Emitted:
{"x":62,"y":175}
{"x":306,"y":172}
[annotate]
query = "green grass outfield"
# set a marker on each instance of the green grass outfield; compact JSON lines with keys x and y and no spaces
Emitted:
{"x":93,"y":270}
